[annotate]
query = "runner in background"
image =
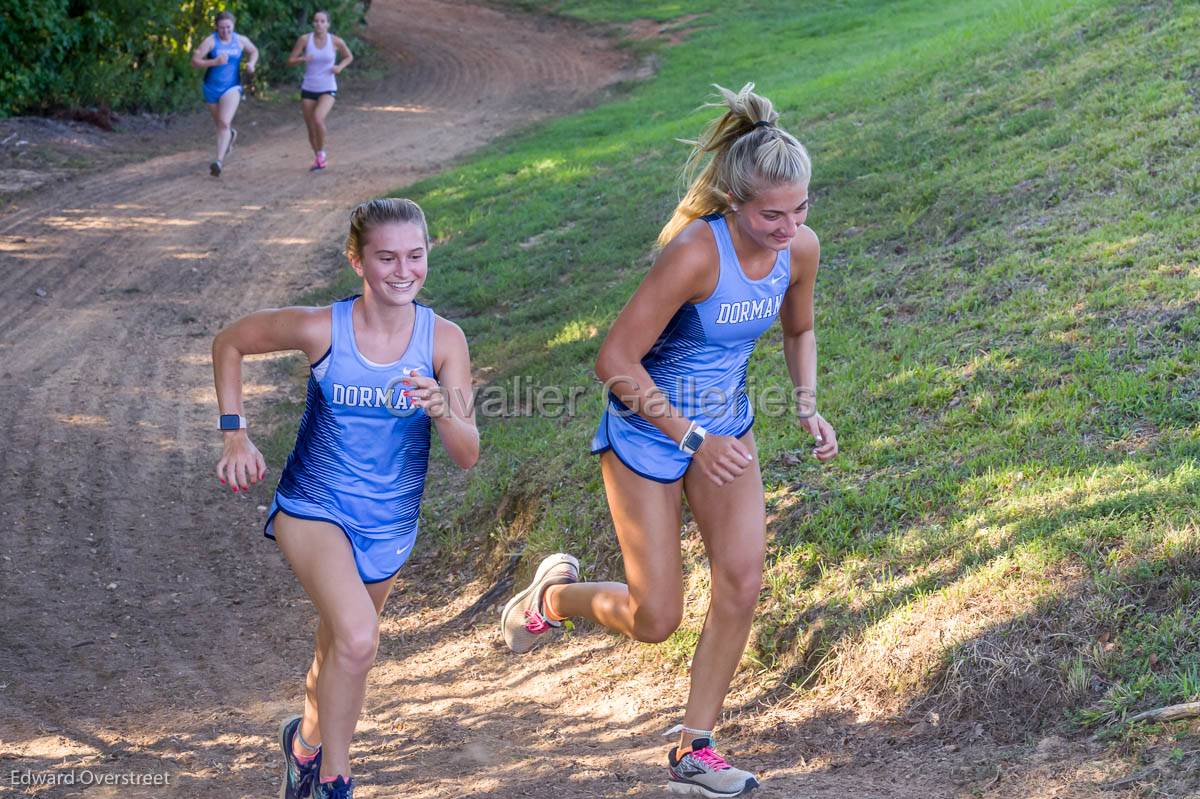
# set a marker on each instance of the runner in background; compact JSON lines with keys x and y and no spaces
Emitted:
{"x":318,"y":51}
{"x":220,"y":56}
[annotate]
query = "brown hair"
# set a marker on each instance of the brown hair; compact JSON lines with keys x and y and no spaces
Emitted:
{"x":749,"y":152}
{"x":321,"y":11}
{"x":383,"y":211}
{"x":222,"y":16}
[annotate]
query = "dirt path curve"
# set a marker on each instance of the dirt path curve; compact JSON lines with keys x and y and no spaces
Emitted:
{"x":147,"y":628}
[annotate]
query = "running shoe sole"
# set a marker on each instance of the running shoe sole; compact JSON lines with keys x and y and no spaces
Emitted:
{"x":521,"y":640}
{"x":692,"y":789}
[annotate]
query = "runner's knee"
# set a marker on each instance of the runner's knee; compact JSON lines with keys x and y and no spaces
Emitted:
{"x":737,"y":590}
{"x":653,"y":624}
{"x":355,"y":648}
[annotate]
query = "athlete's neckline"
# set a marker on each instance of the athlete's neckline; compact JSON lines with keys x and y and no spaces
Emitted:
{"x":367,"y":362}
{"x":754,"y":281}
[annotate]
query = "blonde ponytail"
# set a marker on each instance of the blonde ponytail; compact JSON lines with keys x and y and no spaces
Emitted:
{"x":749,"y":152}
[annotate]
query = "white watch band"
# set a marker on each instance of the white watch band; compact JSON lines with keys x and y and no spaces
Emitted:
{"x":692,"y":439}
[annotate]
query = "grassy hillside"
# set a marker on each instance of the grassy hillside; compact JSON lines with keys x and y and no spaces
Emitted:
{"x":1007,"y":316}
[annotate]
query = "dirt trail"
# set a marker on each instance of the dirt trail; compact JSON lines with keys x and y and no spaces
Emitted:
{"x":146,"y":626}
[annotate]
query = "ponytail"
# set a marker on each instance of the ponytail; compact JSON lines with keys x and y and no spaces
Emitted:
{"x":749,"y":153}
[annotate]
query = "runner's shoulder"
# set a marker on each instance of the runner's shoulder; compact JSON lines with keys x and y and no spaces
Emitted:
{"x":447,"y":332}
{"x":806,"y":252}
{"x":312,"y":325}
{"x":692,"y":254}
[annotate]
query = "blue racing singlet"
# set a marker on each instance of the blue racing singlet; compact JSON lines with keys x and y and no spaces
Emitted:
{"x":220,"y":79}
{"x":700,"y":362}
{"x":361,"y":453}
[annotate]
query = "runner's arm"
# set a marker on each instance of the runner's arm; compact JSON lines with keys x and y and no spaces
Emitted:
{"x":682,"y":273}
{"x":198,"y":56}
{"x":298,"y":56}
{"x":252,"y":50}
{"x":800,"y":341}
{"x":448,"y":398}
{"x":305,"y":329}
{"x":347,"y":56}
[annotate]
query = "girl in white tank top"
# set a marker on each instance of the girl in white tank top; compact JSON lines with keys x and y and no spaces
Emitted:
{"x":318,"y":51}
{"x":318,"y":69}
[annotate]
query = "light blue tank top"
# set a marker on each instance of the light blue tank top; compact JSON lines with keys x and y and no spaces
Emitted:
{"x":362,"y":451}
{"x":226,"y":76}
{"x":700,"y":359}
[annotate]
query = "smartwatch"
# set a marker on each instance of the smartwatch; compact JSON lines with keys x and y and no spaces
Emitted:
{"x":232,"y":421}
{"x":692,"y":439}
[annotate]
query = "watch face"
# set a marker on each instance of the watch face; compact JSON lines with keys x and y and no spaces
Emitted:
{"x":230,"y":422}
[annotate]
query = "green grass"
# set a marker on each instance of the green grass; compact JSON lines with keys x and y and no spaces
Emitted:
{"x":1007,"y":315}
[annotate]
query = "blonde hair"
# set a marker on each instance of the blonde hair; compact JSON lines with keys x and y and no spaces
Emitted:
{"x":749,"y":153}
{"x":383,"y":211}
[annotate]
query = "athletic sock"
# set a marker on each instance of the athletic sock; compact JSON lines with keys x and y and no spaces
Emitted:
{"x":548,"y":610}
{"x":299,"y":743}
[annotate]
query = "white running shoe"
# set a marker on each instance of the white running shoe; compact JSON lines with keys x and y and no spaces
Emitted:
{"x":523,"y":618}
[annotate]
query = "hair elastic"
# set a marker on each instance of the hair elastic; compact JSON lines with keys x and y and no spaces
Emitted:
{"x":763,"y":123}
